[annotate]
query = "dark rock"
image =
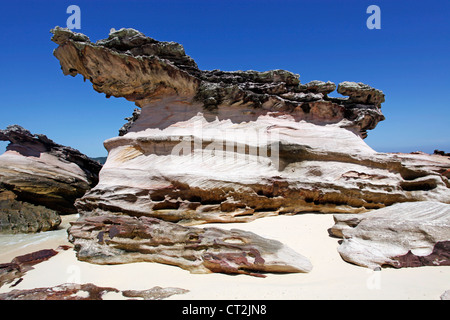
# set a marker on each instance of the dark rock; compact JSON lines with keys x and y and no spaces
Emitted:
{"x":34,"y":257}
{"x":62,"y":292}
{"x":441,"y":153}
{"x":22,"y":217}
{"x":361,"y":93}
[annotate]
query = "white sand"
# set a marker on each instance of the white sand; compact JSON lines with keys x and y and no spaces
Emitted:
{"x":331,"y":277}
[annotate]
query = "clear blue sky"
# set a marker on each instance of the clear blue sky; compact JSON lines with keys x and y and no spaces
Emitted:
{"x":409,"y":59}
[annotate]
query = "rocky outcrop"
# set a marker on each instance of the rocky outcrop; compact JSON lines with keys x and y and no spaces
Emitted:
{"x":403,"y":235}
{"x":216,"y":146}
{"x":41,"y":173}
{"x":143,"y":70}
{"x":112,"y":239}
{"x":441,"y":153}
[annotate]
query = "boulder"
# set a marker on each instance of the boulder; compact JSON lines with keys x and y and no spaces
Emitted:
{"x":411,"y":234}
{"x":114,"y":239}
{"x":228,"y":146}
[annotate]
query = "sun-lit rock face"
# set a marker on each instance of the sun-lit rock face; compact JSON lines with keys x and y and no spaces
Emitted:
{"x":232,"y":146}
{"x":410,"y":234}
{"x":156,"y":74}
{"x":40,"y":179}
{"x":218,"y":146}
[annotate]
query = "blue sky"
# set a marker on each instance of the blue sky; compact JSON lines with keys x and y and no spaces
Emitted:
{"x":408,"y":58}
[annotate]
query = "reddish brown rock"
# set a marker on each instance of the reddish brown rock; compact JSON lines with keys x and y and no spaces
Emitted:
{"x":62,"y":292}
{"x":21,"y":264}
{"x":115,"y":239}
{"x":41,"y":172}
{"x":34,"y":257}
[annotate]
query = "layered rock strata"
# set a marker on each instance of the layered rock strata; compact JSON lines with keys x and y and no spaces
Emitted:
{"x":16,"y":269}
{"x":112,"y":239}
{"x":42,"y":172}
{"x":143,"y":70}
{"x":403,"y":235}
{"x":216,"y":146}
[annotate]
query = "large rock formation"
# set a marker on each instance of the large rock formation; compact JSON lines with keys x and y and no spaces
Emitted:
{"x":410,"y":234}
{"x":112,"y":239}
{"x":16,"y":269}
{"x":215,"y":146}
{"x":40,"y":179}
{"x":167,"y":84}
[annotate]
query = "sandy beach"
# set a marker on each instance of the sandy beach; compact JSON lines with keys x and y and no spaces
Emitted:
{"x":331,"y":277}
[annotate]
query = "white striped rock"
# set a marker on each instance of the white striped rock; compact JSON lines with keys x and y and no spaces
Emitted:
{"x":409,"y":234}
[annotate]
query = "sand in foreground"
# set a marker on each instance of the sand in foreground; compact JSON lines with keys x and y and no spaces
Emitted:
{"x":331,"y":277}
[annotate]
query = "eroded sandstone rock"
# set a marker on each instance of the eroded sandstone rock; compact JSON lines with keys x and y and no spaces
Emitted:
{"x":88,"y":291}
{"x":409,"y":234}
{"x":113,"y":239}
{"x":217,"y":146}
{"x":40,"y":172}
{"x":143,"y":70}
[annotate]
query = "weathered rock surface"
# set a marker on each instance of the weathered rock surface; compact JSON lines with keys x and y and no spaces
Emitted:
{"x":409,"y":234}
{"x":114,"y":239}
{"x":216,"y":146}
{"x":155,"y":293}
{"x":46,"y":178}
{"x":141,"y":69}
{"x":17,"y":216}
{"x":88,"y":291}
